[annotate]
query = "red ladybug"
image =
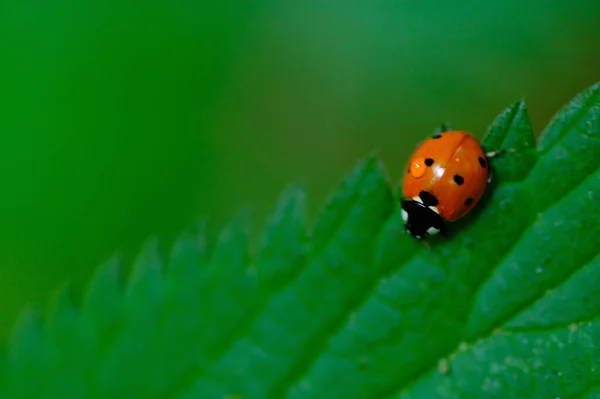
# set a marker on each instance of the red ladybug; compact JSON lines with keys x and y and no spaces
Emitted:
{"x":446,"y":176}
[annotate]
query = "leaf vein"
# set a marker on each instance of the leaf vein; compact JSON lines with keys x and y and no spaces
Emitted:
{"x":522,"y":235}
{"x":421,"y":372}
{"x":317,"y":347}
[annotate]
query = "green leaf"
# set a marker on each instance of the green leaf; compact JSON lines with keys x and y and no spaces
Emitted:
{"x":506,"y":306}
{"x":231,"y":290}
{"x":26,"y":357}
{"x":102,"y":306}
{"x":283,"y":246}
{"x":511,"y":132}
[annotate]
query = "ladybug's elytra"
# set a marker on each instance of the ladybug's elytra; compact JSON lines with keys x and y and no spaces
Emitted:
{"x":446,"y":177}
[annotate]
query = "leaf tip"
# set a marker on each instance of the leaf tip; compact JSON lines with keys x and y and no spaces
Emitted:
{"x":233,"y":237}
{"x":370,"y":159}
{"x":65,"y":298}
{"x":194,"y":236}
{"x":28,"y":325}
{"x":586,"y":102}
{"x":239,"y":223}
{"x":521,"y":104}
{"x":148,"y":263}
{"x":595,"y":87}
{"x":292,"y":199}
{"x":150,"y":253}
{"x":108,"y":273}
{"x":511,"y":127}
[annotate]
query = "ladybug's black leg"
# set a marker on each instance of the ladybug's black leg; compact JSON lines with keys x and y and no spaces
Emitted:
{"x":494,"y":154}
{"x":426,"y":245}
{"x":442,"y":129}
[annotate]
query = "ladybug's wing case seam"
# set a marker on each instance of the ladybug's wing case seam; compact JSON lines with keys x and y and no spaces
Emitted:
{"x":464,"y":181}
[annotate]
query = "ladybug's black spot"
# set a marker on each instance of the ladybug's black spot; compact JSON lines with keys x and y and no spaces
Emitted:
{"x":482,"y":162}
{"x":468,"y":201}
{"x":458,"y":179}
{"x":428,"y":199}
{"x":437,"y":136}
{"x":428,"y":161}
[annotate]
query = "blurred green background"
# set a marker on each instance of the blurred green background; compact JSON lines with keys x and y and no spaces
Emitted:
{"x":121,"y":120}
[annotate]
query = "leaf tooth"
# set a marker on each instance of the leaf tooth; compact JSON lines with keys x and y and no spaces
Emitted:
{"x":336,"y":208}
{"x":181,"y":321}
{"x":232,"y":289}
{"x":145,"y":284}
{"x":26,"y":333}
{"x":27,"y":356}
{"x":513,"y":133}
{"x":568,"y":162}
{"x":103,"y":300}
{"x":127,"y":360}
{"x":585,"y":103}
{"x":231,"y":248}
{"x":186,"y":279}
{"x":72,"y":347}
{"x":497,"y":131}
{"x":520,"y":134}
{"x":63,"y":309}
{"x":283,"y":246}
{"x":189,"y":254}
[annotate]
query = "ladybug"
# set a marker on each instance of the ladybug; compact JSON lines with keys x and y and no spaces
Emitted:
{"x":446,"y":176}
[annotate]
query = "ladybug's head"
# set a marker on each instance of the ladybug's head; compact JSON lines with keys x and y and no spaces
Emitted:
{"x":421,"y":220}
